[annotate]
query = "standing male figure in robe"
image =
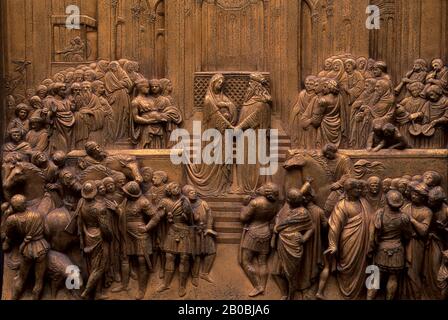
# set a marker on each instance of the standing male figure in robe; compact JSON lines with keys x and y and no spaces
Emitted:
{"x":348,"y":239}
{"x":255,"y":114}
{"x":420,"y":216}
{"x":61,"y":119}
{"x":107,"y":131}
{"x":98,"y":118}
{"x":117,"y":85}
{"x":312,"y":264}
{"x":293,"y":228}
{"x":328,"y":113}
{"x":298,"y":131}
{"x":352,"y":81}
{"x":90,"y":118}
{"x":339,"y":167}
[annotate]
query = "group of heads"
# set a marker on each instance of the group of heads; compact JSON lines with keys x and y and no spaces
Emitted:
{"x":348,"y":63}
{"x":321,"y":85}
{"x":419,"y":189}
{"x":154,"y":86}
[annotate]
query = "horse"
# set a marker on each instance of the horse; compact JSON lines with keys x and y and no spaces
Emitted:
{"x":25,"y":178}
{"x":126,"y":164}
{"x":301,"y":164}
{"x":20,"y":177}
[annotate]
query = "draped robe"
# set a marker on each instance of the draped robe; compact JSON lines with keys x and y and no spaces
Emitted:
{"x":213,"y":178}
{"x":89,"y":122}
{"x":329,"y":114}
{"x":415,"y":250}
{"x":63,"y":121}
{"x":435,"y":246}
{"x":436,"y":111}
{"x":350,"y":235}
{"x":359,"y":129}
{"x":298,"y":136}
{"x":311,"y":265}
{"x":289,"y":223}
{"x":255,"y":114}
{"x":353,"y":84}
{"x":117,"y":86}
{"x":407,"y":107}
{"x":38,"y":140}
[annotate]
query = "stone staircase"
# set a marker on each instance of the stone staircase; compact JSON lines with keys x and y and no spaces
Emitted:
{"x":226,"y":209}
{"x":226,"y":212}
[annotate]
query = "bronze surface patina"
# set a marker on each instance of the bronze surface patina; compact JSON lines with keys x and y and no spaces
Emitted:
{"x":110,"y":190}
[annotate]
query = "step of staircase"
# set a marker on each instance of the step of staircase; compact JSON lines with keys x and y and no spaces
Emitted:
{"x":229,"y":238}
{"x":226,"y":213}
{"x":228,"y":227}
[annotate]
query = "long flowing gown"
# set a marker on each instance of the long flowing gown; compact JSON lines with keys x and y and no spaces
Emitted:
{"x":255,"y":114}
{"x":117,"y":86}
{"x":298,"y":134}
{"x":359,"y":131}
{"x":63,"y":121}
{"x":312,"y":262}
{"x":213,"y":179}
{"x":330,"y":129}
{"x":290,"y":253}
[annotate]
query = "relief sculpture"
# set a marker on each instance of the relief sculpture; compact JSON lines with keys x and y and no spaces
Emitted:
{"x":283,"y":167}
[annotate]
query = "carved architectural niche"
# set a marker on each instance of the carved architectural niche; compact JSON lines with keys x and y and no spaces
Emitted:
{"x":138,"y":32}
{"x":381,"y":45}
{"x":234,"y":87}
{"x":228,"y":24}
{"x":73,"y":45}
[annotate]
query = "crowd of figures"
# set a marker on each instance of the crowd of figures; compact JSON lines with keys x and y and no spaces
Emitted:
{"x":125,"y":219}
{"x":105,"y":102}
{"x":353,"y":103}
{"x":397,"y":224}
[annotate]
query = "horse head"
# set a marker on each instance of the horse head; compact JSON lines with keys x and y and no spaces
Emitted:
{"x":24,"y":178}
{"x":302,"y":165}
{"x":128,"y":165}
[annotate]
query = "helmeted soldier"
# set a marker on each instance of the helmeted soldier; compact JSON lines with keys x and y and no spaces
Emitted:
{"x":255,"y":242}
{"x":178,"y":241}
{"x":136,"y":220}
{"x":205,"y":236}
{"x":95,"y":234}
{"x":390,"y":229}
